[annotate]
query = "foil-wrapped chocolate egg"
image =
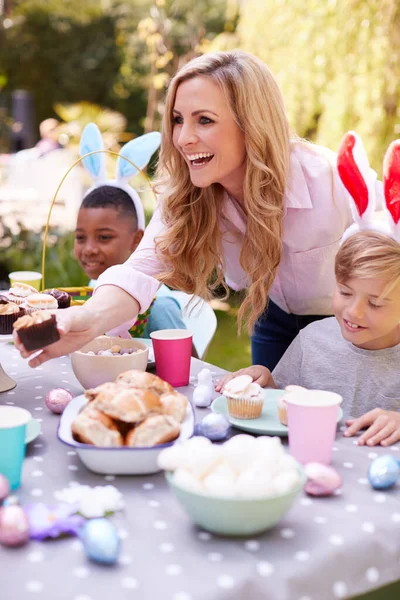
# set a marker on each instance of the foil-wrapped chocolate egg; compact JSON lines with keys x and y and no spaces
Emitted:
{"x":57,"y":400}
{"x":321,"y":480}
{"x":383,"y":472}
{"x":4,"y":488}
{"x":100,"y":540}
{"x":215,"y":427}
{"x":14,"y":525}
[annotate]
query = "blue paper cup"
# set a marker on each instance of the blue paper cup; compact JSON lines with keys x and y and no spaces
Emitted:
{"x":13,"y":421}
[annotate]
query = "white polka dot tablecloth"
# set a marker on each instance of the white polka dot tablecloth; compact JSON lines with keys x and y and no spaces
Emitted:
{"x":323,"y":549}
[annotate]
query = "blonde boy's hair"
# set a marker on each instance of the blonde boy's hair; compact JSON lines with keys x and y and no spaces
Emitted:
{"x":368,"y":254}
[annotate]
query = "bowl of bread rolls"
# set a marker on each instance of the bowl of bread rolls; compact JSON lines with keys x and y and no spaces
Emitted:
{"x":105,"y":357}
{"x":120,"y":427}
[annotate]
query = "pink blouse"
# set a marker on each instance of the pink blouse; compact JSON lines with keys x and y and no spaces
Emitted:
{"x":317,"y":211}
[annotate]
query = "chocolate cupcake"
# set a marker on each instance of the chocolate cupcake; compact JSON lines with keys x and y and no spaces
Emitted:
{"x":37,"y":330}
{"x":9,"y":313}
{"x":63,"y":299}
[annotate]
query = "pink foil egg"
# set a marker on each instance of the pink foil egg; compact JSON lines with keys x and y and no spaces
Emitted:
{"x":4,"y":488}
{"x":322,"y":480}
{"x":14,"y":526}
{"x":57,"y":400}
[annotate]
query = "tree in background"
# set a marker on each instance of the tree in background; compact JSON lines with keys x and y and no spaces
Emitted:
{"x":116,"y":54}
{"x":337,"y":62}
{"x":171,"y":33}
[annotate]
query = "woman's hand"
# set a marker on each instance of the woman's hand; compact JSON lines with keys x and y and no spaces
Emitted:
{"x":78,"y":325}
{"x":76,"y":328}
{"x":259,"y":374}
{"x":383,"y":427}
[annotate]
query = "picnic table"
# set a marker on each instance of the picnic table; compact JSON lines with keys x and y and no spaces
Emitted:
{"x":324,"y":548}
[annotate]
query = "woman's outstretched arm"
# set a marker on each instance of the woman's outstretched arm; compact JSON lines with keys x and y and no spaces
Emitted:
{"x":78,"y":325}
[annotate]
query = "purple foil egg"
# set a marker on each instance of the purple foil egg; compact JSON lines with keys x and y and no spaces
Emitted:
{"x":14,"y":526}
{"x":322,"y":480}
{"x":57,"y":400}
{"x":4,"y":488}
{"x":215,"y":427}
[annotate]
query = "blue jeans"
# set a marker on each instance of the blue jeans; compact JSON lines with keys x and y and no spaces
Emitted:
{"x":274,"y":332}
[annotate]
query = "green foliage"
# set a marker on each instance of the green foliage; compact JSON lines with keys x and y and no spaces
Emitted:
{"x":23,"y":251}
{"x":113,"y":54}
{"x":65,"y":52}
{"x":337,"y":62}
{"x":227,"y":350}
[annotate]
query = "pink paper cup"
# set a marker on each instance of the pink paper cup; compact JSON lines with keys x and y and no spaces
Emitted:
{"x":312,"y":422}
{"x":172,"y":353}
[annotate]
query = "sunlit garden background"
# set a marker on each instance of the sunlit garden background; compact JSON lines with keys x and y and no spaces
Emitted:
{"x":108,"y":61}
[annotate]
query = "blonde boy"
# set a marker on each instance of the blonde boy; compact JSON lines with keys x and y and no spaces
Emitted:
{"x":356,"y":353}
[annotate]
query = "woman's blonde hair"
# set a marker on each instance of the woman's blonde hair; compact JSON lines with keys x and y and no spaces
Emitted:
{"x":191,"y":246}
{"x":368,"y":254}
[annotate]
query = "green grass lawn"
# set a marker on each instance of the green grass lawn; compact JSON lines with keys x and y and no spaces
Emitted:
{"x":227,"y":350}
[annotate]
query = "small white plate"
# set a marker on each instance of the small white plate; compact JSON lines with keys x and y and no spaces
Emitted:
{"x":268,"y":423}
{"x":33,"y":429}
{"x":5,"y":338}
{"x":122,"y":460}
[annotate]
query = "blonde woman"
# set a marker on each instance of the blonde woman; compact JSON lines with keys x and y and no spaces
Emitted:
{"x":242,"y":202}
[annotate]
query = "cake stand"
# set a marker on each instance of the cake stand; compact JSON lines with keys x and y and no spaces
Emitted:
{"x":6,"y":383}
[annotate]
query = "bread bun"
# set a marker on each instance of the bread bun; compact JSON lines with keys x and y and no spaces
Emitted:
{"x":129,"y":405}
{"x":175,"y":405}
{"x":144,"y":380}
{"x":105,"y":391}
{"x":154,"y":431}
{"x":93,"y":427}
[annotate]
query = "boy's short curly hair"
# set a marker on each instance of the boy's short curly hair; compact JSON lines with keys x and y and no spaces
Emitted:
{"x":369,"y":254}
{"x":108,"y":196}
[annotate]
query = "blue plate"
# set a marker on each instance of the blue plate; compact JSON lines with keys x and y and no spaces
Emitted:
{"x":267,"y":424}
{"x":32,"y":430}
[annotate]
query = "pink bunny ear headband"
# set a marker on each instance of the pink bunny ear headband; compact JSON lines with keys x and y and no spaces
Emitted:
{"x":354,"y":171}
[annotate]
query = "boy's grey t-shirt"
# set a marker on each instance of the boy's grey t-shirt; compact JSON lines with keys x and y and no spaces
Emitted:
{"x":320,"y":358}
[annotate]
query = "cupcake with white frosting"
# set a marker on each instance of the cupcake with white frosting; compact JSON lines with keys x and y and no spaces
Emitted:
{"x":281,"y":403}
{"x":19,"y":292}
{"x":245,"y":398}
{"x":40,"y":302}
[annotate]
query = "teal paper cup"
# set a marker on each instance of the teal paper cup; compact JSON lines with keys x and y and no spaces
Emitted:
{"x":13,"y":421}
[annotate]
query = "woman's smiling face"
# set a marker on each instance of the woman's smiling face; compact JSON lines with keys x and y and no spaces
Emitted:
{"x":208,"y":137}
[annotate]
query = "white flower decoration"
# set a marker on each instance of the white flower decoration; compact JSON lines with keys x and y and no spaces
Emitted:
{"x":92,"y":502}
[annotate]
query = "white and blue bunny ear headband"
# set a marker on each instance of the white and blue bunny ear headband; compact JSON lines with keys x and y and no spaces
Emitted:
{"x":354,"y":171}
{"x":137,"y":151}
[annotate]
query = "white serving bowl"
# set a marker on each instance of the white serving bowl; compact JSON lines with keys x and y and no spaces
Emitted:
{"x":92,"y":370}
{"x":117,"y":461}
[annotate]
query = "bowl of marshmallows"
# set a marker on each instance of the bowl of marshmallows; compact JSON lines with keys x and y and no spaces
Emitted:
{"x":242,"y":487}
